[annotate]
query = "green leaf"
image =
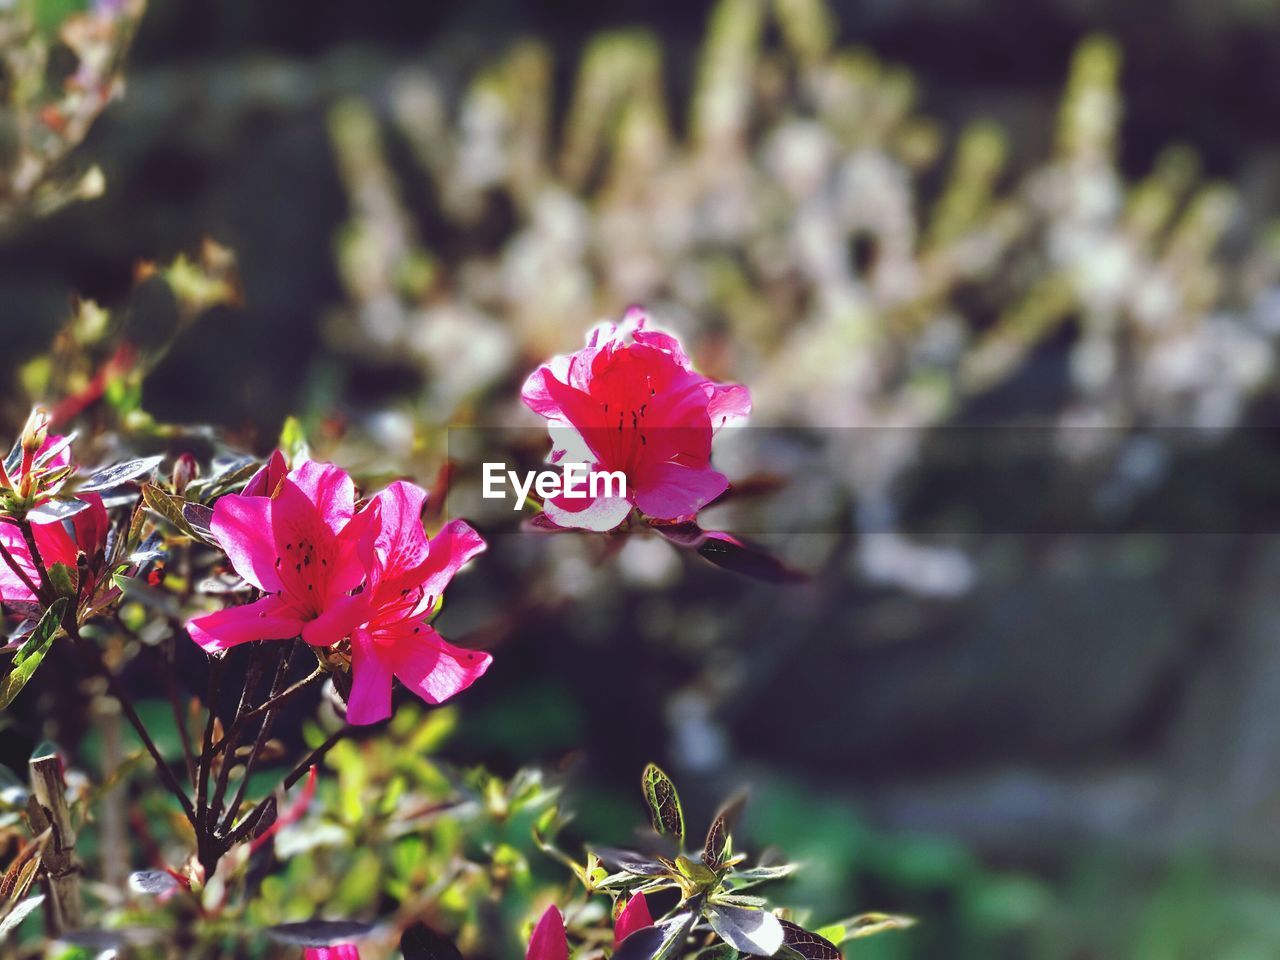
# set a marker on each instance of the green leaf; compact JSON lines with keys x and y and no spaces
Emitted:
{"x":741,"y":879}
{"x":664,"y":804}
{"x":865,"y":925}
{"x":32,"y":652}
{"x":293,"y":441}
{"x":749,"y":931}
{"x":698,"y":873}
{"x":65,"y":580}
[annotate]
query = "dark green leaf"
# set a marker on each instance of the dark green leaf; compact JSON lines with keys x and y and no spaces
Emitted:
{"x":733,"y":554}
{"x":664,"y":804}
{"x":420,"y":942}
{"x":200,"y":520}
{"x":120,"y":473}
{"x":717,"y":843}
{"x":808,"y":945}
{"x":750,"y":931}
{"x":630,"y":862}
{"x":31,"y":653}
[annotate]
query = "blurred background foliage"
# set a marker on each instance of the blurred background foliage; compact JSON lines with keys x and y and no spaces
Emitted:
{"x":917,"y":214}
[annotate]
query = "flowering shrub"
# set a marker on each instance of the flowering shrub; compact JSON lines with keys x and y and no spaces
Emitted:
{"x":260,"y":566}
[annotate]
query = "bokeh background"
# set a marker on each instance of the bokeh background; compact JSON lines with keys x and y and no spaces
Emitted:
{"x":894,"y":220}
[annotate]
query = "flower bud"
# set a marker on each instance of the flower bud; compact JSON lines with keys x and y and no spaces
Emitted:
{"x":185,"y":469}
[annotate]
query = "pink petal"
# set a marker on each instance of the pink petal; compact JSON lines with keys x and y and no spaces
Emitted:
{"x":599,"y":515}
{"x":370,"y":699}
{"x":451,"y":548}
{"x":433,"y":669}
{"x":264,"y":482}
{"x":243,"y":528}
{"x":329,"y":488}
{"x":673,"y":491}
{"x":348,"y":564}
{"x":399,"y":543}
{"x":549,"y":940}
{"x":91,"y":525}
{"x":634,"y":916}
{"x":11,"y":586}
{"x":54,"y":543}
{"x":337,"y":621}
{"x":730,"y":403}
{"x":265,"y":619}
{"x":343,"y":951}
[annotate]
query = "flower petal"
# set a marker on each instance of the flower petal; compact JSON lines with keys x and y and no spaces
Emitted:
{"x":12,"y":588}
{"x":337,"y":621}
{"x":584,"y":513}
{"x":673,"y":491}
{"x":265,"y":619}
{"x":398,"y":543}
{"x":730,"y":404}
{"x":451,"y":548}
{"x":433,"y":669}
{"x":329,"y":488}
{"x":634,"y":916}
{"x":243,"y":528}
{"x":370,"y":699}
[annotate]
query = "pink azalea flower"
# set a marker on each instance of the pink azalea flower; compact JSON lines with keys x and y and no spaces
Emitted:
{"x":634,"y":916}
{"x":631,"y":401}
{"x":343,"y":951}
{"x":299,"y":545}
{"x":407,"y":575}
{"x":88,"y":535}
{"x":549,"y":940}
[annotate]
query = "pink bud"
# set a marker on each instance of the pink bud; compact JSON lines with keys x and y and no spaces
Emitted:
{"x":634,"y":916}
{"x":549,"y":941}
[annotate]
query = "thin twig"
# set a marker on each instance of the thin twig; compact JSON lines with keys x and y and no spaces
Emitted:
{"x":264,"y":732}
{"x":274,"y":703}
{"x":315,"y":756}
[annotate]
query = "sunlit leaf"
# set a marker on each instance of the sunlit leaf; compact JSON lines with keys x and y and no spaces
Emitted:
{"x":32,"y":652}
{"x":742,"y":879}
{"x":18,"y":914}
{"x":318,"y":933}
{"x":866,"y":925}
{"x":633,"y":863}
{"x":152,"y":882}
{"x":119,"y":473}
{"x":56,"y":509}
{"x":664,"y":804}
{"x":750,"y":931}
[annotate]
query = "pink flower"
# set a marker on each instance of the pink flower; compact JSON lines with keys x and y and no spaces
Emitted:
{"x":634,"y":916}
{"x":630,"y":401}
{"x":343,"y":951}
{"x":407,"y":575}
{"x":299,"y":545}
{"x":549,"y":940}
{"x":88,"y":535}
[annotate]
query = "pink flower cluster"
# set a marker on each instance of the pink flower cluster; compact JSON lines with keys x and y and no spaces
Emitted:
{"x":332,"y":570}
